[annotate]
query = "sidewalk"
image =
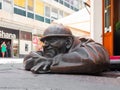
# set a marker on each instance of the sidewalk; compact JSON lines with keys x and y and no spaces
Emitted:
{"x":11,"y":60}
{"x":14,"y":77}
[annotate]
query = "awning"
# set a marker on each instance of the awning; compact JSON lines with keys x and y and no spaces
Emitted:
{"x":79,"y":20}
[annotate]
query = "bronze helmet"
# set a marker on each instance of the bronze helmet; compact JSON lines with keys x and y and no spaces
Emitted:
{"x":56,"y":30}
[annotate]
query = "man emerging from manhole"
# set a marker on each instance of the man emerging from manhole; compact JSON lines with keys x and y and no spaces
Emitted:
{"x":65,"y":53}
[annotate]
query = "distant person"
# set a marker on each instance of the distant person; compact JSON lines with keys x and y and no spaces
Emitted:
{"x":3,"y":49}
{"x":8,"y":49}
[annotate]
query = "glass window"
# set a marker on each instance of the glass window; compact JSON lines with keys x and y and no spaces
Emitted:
{"x":20,"y":12}
{"x":71,"y":2}
{"x":15,"y":48}
{"x":47,"y":20}
{"x":61,"y":1}
{"x":39,"y":7}
{"x":0,"y":6}
{"x":40,"y":18}
{"x":76,"y":3}
{"x":8,"y":1}
{"x":30,"y":15}
{"x":107,"y":14}
{"x":47,"y":11}
{"x":54,"y":13}
{"x":60,"y":14}
{"x":67,"y":0}
{"x":20,"y":3}
{"x":30,"y":5}
{"x":7,"y":6}
{"x":56,"y":0}
{"x":66,"y":4}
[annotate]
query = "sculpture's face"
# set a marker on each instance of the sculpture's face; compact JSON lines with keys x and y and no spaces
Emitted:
{"x":54,"y":46}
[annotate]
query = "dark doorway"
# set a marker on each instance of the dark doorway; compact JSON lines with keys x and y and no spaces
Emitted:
{"x":8,"y":48}
{"x":116,"y":31}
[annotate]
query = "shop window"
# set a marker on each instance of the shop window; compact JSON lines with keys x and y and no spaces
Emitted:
{"x":30,"y":5}
{"x":39,"y":9}
{"x":19,"y":11}
{"x":30,"y":15}
{"x":40,"y":18}
{"x":0,"y":6}
{"x":20,"y":3}
{"x":47,"y":20}
{"x":25,"y":35}
{"x":15,"y":48}
{"x":47,"y":11}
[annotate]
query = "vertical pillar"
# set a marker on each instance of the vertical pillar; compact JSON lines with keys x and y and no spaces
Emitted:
{"x":96,"y":20}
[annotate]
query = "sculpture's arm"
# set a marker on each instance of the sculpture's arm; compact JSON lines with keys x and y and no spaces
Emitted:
{"x":89,"y":58}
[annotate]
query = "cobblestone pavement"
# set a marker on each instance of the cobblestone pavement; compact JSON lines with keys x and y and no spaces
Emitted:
{"x":14,"y":77}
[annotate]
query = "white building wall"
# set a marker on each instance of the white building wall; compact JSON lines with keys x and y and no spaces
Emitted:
{"x":96,"y":20}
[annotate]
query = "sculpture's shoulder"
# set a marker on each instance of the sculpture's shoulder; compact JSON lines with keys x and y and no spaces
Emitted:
{"x":87,"y":40}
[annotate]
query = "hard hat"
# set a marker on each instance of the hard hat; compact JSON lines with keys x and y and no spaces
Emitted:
{"x":56,"y":30}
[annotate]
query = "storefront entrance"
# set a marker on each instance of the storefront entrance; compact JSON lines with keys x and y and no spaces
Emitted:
{"x":8,"y":43}
{"x":111,"y":36}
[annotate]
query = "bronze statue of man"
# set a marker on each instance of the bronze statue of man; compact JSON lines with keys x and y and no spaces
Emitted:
{"x":65,"y":53}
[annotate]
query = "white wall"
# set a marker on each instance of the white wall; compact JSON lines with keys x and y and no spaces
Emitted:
{"x":96,"y":20}
{"x":22,"y":47}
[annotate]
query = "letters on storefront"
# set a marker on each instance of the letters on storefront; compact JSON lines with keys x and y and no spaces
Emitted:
{"x":7,"y":35}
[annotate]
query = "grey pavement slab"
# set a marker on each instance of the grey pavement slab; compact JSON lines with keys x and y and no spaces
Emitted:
{"x":14,"y":77}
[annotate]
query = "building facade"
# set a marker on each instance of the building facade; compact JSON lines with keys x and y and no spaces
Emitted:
{"x":105,"y":24}
{"x":23,"y":20}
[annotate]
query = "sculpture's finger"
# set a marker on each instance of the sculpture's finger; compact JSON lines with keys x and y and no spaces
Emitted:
{"x":37,"y":67}
{"x":28,"y":64}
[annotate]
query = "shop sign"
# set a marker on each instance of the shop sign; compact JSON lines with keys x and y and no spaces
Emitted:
{"x":7,"y":35}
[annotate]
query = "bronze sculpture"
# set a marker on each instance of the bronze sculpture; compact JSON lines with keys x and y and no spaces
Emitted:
{"x":65,"y":53}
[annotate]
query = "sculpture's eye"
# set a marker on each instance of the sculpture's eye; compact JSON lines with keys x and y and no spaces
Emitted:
{"x":46,"y":43}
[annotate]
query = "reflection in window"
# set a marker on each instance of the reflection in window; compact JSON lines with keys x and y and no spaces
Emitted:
{"x":20,"y":3}
{"x":107,"y":14}
{"x":30,"y":5}
{"x":8,"y":1}
{"x":0,"y":6}
{"x":15,"y":48}
{"x":60,"y":14}
{"x":54,"y":13}
{"x":39,"y":7}
{"x":39,"y":18}
{"x":20,"y":11}
{"x":30,"y":15}
{"x":47,"y":11}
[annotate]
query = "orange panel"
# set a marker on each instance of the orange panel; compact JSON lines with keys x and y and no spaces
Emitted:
{"x":108,"y":42}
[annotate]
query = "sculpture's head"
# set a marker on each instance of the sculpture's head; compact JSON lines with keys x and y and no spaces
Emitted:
{"x":57,"y":39}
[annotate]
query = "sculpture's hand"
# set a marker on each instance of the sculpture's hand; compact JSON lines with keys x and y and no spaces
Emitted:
{"x":37,"y":63}
{"x":43,"y":66}
{"x":31,"y":59}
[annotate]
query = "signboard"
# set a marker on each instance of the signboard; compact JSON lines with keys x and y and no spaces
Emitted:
{"x":35,"y":40}
{"x":9,"y":33}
